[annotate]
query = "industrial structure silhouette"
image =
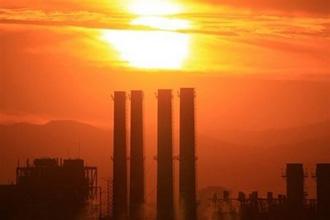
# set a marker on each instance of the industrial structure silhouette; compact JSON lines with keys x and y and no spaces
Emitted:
{"x":60,"y":189}
{"x":165,"y":188}
{"x":49,"y":189}
{"x":293,"y":205}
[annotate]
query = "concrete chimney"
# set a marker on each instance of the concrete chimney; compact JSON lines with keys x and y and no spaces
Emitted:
{"x":187,"y":176}
{"x":323,"y":190}
{"x":136,"y":203}
{"x":119,"y":157}
{"x":165,"y":203}
{"x":295,"y":186}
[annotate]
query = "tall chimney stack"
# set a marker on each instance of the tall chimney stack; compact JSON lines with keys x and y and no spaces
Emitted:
{"x":165,"y":203}
{"x":119,"y":157}
{"x":136,"y":203}
{"x":323,"y":190}
{"x":187,"y":181}
{"x":295,"y":188}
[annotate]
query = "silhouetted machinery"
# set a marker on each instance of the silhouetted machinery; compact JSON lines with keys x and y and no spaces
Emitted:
{"x":294,"y":205}
{"x":49,"y":189}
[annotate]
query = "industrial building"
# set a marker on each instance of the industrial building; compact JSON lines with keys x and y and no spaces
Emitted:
{"x":49,"y":189}
{"x":292,"y":205}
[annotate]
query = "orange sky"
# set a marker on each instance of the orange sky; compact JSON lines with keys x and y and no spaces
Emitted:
{"x":59,"y":56}
{"x":255,"y":65}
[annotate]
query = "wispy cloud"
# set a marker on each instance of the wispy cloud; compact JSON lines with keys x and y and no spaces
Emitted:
{"x":225,"y":23}
{"x":272,"y":39}
{"x":74,"y":18}
{"x":313,"y":7}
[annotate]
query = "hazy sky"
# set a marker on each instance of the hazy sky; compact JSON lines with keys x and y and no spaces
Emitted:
{"x":62,"y":59}
{"x":255,"y":65}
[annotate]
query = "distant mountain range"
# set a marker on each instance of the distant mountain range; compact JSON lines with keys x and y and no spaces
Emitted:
{"x":256,"y":159}
{"x":235,"y":159}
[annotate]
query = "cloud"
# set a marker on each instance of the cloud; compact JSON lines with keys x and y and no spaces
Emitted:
{"x":58,"y":18}
{"x":62,"y":5}
{"x":119,"y":6}
{"x":285,"y":6}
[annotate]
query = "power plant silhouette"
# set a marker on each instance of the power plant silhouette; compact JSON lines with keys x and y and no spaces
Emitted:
{"x":165,"y":189}
{"x":293,"y":205}
{"x":52,"y":188}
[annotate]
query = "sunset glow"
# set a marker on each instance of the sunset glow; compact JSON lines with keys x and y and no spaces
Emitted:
{"x":162,"y":23}
{"x":149,"y":49}
{"x":257,"y":73}
{"x":154,"y":7}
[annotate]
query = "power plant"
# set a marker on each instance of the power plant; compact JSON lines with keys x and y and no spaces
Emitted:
{"x":52,"y":188}
{"x":132,"y":206}
{"x":289,"y":206}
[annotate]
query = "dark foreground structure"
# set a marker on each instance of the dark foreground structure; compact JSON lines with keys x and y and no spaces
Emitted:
{"x":292,"y":206}
{"x":49,"y":189}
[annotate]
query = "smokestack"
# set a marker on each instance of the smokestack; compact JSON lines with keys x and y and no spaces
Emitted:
{"x":119,"y":158}
{"x":295,"y":186}
{"x":187,"y":181}
{"x":165,"y":203}
{"x":323,"y":191}
{"x":136,"y":204}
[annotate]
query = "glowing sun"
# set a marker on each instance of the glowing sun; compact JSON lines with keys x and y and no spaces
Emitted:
{"x":149,"y":49}
{"x":160,"y":48}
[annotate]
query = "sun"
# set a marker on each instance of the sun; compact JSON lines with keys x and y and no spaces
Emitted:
{"x":162,"y":23}
{"x":153,"y":41}
{"x":149,"y":49}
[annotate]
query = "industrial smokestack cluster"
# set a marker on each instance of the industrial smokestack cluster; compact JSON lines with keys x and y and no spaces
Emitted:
{"x":133,"y":208}
{"x":121,"y":209}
